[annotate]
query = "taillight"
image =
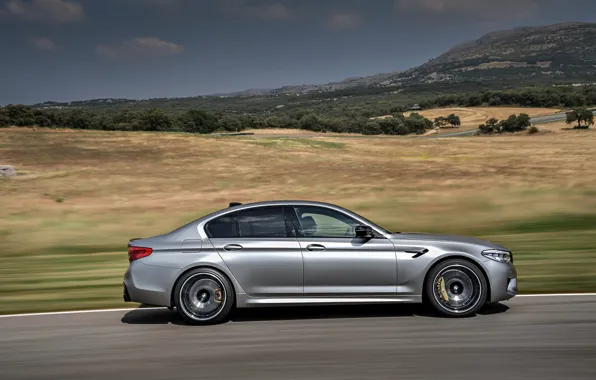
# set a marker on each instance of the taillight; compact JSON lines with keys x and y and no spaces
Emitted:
{"x":135,"y":253}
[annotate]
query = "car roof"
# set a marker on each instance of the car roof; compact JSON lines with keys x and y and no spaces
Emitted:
{"x":273,"y":203}
{"x":285,"y":203}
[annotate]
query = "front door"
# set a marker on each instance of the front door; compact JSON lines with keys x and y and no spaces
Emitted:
{"x":261,"y":251}
{"x":336,"y":262}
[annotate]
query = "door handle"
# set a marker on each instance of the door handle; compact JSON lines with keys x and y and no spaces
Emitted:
{"x":233,"y":247}
{"x":316,"y":247}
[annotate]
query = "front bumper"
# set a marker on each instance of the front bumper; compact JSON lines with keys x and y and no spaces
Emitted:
{"x":512,"y":288}
{"x":502,"y":280}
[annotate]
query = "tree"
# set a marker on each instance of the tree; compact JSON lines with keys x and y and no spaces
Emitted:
{"x":230,"y":124}
{"x":154,"y":120}
{"x":4,"y":119}
{"x":195,"y":121}
{"x":310,"y":122}
{"x":78,"y":119}
{"x":492,"y":126}
{"x":371,"y":128}
{"x":581,"y":115}
{"x":454,"y":120}
{"x":523,"y":121}
{"x":440,"y":122}
{"x":417,"y":124}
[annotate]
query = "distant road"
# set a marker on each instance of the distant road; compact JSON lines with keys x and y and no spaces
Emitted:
{"x":538,"y":338}
{"x":535,"y":120}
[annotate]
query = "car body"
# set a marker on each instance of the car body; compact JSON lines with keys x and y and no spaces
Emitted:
{"x":281,"y":253}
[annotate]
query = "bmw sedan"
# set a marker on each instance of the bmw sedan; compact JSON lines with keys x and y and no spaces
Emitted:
{"x":310,"y":253}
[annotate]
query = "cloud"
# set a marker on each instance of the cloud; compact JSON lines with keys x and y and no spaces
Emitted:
{"x":139,"y":47}
{"x":42,"y":43}
{"x":344,"y":20}
{"x":56,"y":11}
{"x":482,"y":10}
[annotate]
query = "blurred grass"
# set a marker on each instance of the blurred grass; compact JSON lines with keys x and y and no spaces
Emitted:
{"x":534,"y":195}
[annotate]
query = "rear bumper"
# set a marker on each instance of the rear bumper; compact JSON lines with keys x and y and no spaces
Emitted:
{"x":148,"y":284}
{"x":126,"y":296}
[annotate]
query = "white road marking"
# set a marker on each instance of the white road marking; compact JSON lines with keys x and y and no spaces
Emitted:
{"x":558,"y":295}
{"x":163,"y":308}
{"x":79,"y":312}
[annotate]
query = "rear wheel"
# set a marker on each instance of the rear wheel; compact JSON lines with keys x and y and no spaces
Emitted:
{"x":456,"y":288}
{"x":204,"y":296}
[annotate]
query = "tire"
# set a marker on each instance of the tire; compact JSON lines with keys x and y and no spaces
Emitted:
{"x":456,"y":288}
{"x":204,"y":296}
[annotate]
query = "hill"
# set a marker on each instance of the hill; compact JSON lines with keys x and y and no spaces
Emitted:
{"x":560,"y":54}
{"x":560,"y":51}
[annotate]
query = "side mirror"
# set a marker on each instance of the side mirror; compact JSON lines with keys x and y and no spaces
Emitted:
{"x":364,"y":232}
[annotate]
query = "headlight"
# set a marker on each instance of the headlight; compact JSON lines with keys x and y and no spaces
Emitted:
{"x":498,"y":255}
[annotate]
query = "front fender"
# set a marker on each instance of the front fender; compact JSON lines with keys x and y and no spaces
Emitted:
{"x":412,"y":269}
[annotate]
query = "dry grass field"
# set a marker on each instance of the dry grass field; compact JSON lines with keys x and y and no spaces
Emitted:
{"x":472,"y":117}
{"x":80,"y":196}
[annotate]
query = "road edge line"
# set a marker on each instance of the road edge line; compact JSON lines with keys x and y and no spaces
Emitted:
{"x":78,"y":312}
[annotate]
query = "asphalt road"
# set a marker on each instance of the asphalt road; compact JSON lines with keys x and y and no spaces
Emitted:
{"x":526,"y":338}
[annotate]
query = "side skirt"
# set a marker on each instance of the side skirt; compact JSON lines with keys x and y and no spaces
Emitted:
{"x":245,"y":301}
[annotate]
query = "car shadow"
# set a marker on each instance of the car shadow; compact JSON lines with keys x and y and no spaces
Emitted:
{"x":151,"y":316}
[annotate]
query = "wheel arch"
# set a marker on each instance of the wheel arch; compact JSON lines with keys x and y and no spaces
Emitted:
{"x":456,"y":257}
{"x":201,"y":266}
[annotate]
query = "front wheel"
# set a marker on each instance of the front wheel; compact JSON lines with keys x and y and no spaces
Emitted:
{"x":204,"y":296}
{"x":456,"y":288}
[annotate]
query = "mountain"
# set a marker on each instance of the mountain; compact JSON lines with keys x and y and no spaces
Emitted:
{"x":337,"y":86}
{"x":559,"y":53}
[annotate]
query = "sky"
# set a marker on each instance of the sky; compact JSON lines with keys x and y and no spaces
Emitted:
{"x":65,"y":50}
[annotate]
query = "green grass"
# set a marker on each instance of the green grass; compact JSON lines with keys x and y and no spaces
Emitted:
{"x":555,"y":223}
{"x":297,"y":142}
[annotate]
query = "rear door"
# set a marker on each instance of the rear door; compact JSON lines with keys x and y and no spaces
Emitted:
{"x":261,"y":250}
{"x":336,"y":262}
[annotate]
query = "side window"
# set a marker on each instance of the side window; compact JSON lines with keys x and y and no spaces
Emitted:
{"x":322,"y":222}
{"x":263,"y":222}
{"x":223,"y":227}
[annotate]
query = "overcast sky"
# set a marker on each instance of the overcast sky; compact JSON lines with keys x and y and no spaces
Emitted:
{"x":84,"y":49}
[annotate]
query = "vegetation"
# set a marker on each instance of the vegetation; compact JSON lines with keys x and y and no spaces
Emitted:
{"x":202,"y":122}
{"x":364,"y":102}
{"x":65,"y":220}
{"x":452,"y":120}
{"x":514,"y":123}
{"x":582,"y":116}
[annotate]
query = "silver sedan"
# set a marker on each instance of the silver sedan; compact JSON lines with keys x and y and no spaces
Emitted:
{"x":310,"y":253}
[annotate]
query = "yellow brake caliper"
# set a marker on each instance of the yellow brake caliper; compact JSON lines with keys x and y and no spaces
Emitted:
{"x":218,"y":295}
{"x":441,"y":285}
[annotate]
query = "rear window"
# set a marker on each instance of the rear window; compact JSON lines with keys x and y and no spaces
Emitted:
{"x":223,"y":227}
{"x":262,"y":222}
